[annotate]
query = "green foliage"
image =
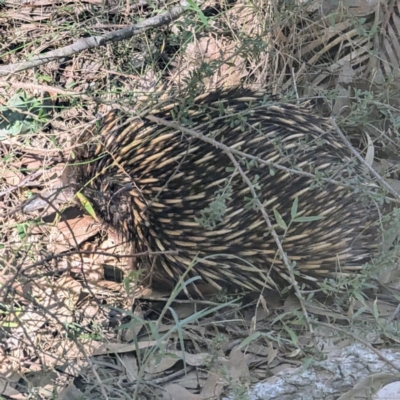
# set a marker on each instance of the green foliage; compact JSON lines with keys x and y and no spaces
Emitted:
{"x":294,"y":217}
{"x":215,"y":212}
{"x":87,"y":205}
{"x":21,"y":115}
{"x":194,"y":7}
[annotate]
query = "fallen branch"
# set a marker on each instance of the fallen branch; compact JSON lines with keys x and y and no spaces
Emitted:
{"x":97,"y":41}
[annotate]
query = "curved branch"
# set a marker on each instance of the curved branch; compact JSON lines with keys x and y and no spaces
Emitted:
{"x":97,"y":41}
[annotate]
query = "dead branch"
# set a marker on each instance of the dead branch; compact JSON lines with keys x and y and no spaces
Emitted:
{"x":97,"y":41}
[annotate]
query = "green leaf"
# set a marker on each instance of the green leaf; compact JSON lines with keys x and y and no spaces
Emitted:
{"x":197,"y":9}
{"x":22,"y":230}
{"x":293,"y":335}
{"x":280,"y":220}
{"x":293,"y":211}
{"x":87,"y":205}
{"x":307,"y":362}
{"x":9,"y":324}
{"x":308,"y":219}
{"x":254,"y":336}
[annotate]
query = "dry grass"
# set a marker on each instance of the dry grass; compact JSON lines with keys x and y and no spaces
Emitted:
{"x":70,"y":323}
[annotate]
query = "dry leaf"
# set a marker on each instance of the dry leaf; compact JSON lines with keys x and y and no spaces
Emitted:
{"x":130,"y":366}
{"x":124,"y":348}
{"x":195,"y":360}
{"x":192,"y":380}
{"x":12,"y":177}
{"x":161,"y":363}
{"x":231,"y":67}
{"x":71,"y":392}
{"x":7,"y":390}
{"x":176,"y":392}
{"x":213,"y":387}
{"x":291,"y":304}
{"x":238,"y":366}
{"x":73,"y":232}
{"x":368,"y":385}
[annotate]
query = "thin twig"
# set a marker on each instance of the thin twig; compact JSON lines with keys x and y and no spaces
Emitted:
{"x":275,"y":236}
{"x":97,"y":41}
{"x":357,"y":155}
{"x":23,"y":183}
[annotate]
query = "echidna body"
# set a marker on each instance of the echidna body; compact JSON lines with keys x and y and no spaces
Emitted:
{"x":164,"y":190}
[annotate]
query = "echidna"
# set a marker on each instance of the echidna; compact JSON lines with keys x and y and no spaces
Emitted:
{"x":164,"y":190}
